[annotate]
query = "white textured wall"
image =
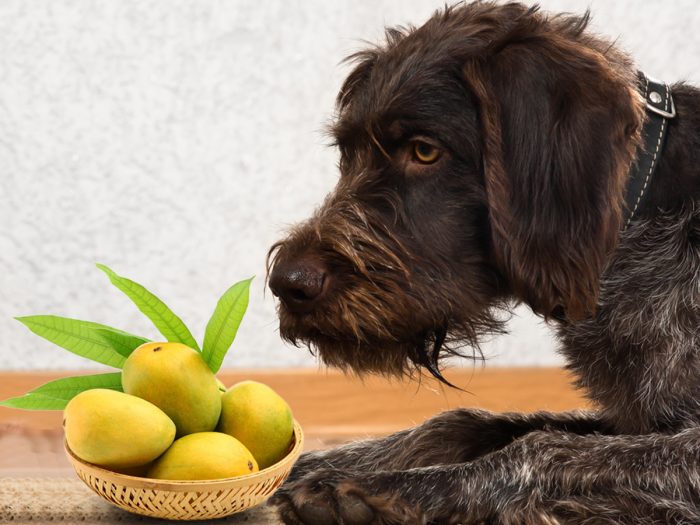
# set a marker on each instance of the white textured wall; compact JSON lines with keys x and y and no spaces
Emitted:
{"x":174,"y":140}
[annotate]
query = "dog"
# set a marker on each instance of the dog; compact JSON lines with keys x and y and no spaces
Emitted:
{"x":499,"y":155}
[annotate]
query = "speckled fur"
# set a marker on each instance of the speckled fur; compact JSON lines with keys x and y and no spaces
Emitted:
{"x":638,"y":357}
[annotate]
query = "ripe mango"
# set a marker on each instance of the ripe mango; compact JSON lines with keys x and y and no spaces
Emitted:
{"x":116,"y":430}
{"x":259,"y":418}
{"x":175,"y":378}
{"x":204,"y":455}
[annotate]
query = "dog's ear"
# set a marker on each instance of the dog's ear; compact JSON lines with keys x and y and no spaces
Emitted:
{"x":559,"y":132}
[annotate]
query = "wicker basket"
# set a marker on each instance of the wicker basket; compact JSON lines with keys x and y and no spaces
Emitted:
{"x":188,"y":500}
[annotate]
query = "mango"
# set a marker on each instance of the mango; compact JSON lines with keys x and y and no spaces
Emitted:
{"x":259,"y":418}
{"x":115,"y":430}
{"x":175,"y":378}
{"x":220,"y":385}
{"x":204,"y":455}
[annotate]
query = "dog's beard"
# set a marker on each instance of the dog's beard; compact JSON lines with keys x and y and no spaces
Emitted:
{"x":392,"y":310}
{"x":392,"y":325}
{"x":393,"y":338}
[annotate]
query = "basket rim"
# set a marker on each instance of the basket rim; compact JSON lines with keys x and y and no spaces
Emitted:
{"x":179,"y":485}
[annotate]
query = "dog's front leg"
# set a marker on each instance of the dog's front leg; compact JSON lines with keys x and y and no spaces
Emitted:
{"x":455,"y":436}
{"x":543,"y":478}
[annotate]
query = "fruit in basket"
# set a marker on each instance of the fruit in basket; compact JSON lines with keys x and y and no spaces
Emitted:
{"x":116,"y":430}
{"x":259,"y":418}
{"x":204,"y":455}
{"x":175,"y":378}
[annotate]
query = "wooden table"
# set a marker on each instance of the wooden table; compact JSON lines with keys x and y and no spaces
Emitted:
{"x":331,"y":407}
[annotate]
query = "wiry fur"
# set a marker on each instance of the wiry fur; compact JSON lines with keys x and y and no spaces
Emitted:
{"x":638,"y":356}
{"x":539,"y":122}
{"x":382,"y":297}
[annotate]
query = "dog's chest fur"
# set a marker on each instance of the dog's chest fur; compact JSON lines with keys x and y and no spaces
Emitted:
{"x":639,"y":357}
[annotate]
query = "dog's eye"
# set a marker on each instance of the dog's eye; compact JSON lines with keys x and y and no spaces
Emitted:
{"x":425,"y":153}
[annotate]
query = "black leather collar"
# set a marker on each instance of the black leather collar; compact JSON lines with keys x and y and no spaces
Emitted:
{"x":659,"y":110}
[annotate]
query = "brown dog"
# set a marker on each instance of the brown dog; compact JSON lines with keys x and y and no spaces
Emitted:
{"x":485,"y":159}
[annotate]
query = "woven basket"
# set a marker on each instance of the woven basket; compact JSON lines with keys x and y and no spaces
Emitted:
{"x":188,"y":500}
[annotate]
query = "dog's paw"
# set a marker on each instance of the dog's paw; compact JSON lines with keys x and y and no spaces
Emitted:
{"x":332,"y":497}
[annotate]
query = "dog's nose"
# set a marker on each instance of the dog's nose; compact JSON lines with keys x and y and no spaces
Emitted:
{"x":299,"y":283}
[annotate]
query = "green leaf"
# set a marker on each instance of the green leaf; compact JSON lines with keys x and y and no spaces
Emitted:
{"x":122,"y":342}
{"x":75,"y":336}
{"x":35,"y":402}
{"x":55,"y":395}
{"x":223,"y":325}
{"x":169,"y":324}
{"x":68,"y":387}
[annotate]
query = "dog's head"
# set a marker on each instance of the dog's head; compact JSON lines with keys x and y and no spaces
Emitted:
{"x":482,"y":158}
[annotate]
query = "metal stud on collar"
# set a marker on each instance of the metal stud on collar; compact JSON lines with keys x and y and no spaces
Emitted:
{"x":655,"y":99}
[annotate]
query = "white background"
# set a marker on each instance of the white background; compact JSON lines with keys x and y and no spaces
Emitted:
{"x":175,"y":140}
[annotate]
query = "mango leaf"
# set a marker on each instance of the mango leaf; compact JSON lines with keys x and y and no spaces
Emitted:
{"x":223,"y":325}
{"x":122,"y":342}
{"x":75,"y":336}
{"x":167,"y":323}
{"x":35,"y":402}
{"x":67,"y":388}
{"x":55,"y":395}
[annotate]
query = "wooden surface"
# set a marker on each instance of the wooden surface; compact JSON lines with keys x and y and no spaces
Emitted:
{"x":331,"y":407}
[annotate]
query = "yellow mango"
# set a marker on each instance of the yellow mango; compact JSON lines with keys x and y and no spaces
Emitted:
{"x":175,"y":378}
{"x":115,"y":430}
{"x":259,"y":418}
{"x":204,"y":455}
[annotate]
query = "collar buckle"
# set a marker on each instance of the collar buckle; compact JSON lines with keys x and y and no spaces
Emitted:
{"x":657,"y":96}
{"x":666,"y":114}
